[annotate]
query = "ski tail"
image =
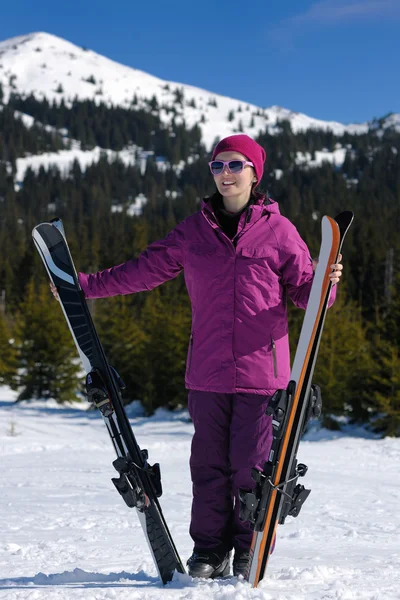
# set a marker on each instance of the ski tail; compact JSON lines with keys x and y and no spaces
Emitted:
{"x":289,"y":409}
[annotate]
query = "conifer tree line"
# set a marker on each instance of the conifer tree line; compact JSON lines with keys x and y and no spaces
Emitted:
{"x":146,"y":335}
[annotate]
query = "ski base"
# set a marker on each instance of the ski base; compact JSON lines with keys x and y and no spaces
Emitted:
{"x":277,"y":493}
{"x":138,"y":483}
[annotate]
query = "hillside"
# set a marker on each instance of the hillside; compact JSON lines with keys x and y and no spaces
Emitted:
{"x":50,"y":67}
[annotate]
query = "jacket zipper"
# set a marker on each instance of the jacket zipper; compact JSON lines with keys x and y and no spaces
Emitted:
{"x":190,"y":352}
{"x":274,"y":357}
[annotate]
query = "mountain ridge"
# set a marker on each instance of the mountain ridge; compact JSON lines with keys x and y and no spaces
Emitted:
{"x":50,"y":67}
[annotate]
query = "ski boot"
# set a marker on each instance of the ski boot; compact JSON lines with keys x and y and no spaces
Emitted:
{"x":209,"y":564}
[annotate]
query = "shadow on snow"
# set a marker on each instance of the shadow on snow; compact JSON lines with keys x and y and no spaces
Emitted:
{"x":86,"y":579}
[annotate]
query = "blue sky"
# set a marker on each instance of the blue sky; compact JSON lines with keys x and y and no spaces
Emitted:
{"x":331,"y":59}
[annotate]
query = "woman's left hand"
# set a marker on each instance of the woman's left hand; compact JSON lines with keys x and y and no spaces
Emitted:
{"x":336,"y":272}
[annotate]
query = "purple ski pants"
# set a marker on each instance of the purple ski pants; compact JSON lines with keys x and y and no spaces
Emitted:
{"x":232,"y":434}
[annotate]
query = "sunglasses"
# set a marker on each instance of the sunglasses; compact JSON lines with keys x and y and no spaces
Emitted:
{"x":234,"y":166}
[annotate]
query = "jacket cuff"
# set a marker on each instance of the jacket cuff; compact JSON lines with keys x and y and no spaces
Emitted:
{"x":83,"y":282}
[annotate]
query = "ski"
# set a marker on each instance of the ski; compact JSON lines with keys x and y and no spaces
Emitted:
{"x":138,"y":483}
{"x":277,"y":492}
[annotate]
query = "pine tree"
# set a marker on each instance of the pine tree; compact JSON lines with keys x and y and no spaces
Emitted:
{"x":384,"y":383}
{"x":344,"y":362}
{"x":124,"y":340}
{"x":385,"y":390}
{"x":166,"y":321}
{"x":47,"y":357}
{"x":8,"y":363}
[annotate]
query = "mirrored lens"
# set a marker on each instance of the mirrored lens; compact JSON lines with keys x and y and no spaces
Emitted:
{"x":235,"y":166}
{"x":217,"y":166}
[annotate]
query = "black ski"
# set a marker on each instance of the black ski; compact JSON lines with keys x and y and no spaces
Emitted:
{"x":138,"y":483}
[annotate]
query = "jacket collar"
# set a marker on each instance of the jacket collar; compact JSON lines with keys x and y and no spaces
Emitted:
{"x":258,"y":205}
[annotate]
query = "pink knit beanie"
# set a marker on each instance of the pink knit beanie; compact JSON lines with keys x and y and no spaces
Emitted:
{"x":248,"y":147}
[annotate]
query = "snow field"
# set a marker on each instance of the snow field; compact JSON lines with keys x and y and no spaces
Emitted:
{"x":65,"y":532}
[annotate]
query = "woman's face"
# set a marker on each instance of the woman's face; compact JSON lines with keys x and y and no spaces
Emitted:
{"x":231,"y":185}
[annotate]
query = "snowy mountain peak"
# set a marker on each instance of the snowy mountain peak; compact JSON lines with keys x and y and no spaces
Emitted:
{"x":38,"y":37}
{"x":40,"y":62}
{"x":48,"y":66}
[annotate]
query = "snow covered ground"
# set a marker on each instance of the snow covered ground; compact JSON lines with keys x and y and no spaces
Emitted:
{"x":65,"y":533}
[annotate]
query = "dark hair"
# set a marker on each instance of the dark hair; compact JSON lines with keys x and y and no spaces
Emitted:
{"x":258,"y":194}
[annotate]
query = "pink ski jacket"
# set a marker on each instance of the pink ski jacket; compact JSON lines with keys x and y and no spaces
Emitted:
{"x":238,"y":290}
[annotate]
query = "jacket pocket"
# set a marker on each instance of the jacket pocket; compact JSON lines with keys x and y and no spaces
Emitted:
{"x":260,"y":252}
{"x":274,"y":359}
{"x":259,"y":264}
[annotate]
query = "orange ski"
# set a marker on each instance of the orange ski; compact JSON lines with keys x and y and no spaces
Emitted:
{"x":277,"y":494}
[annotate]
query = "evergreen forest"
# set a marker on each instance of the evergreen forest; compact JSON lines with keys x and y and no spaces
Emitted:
{"x":146,"y":335}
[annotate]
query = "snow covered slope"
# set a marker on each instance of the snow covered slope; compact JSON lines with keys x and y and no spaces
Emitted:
{"x":51,"y":67}
{"x":65,"y":532}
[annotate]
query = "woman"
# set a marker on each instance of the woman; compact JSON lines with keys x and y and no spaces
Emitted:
{"x":241,"y":259}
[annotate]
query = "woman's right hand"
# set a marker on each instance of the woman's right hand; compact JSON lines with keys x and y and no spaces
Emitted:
{"x":54,"y":291}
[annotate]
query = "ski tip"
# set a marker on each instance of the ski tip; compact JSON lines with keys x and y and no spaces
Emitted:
{"x":341,"y":222}
{"x":37,"y":227}
{"x":56,"y":222}
{"x":344,"y":220}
